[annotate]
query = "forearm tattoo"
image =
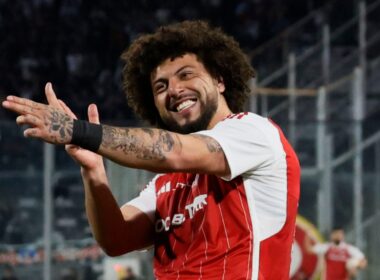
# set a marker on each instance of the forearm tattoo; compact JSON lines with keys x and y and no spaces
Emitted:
{"x":144,"y":143}
{"x":60,"y":126}
{"x":213,"y":146}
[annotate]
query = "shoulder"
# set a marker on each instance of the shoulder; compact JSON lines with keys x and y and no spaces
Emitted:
{"x":353,"y":250}
{"x":246,"y":123}
{"x":243,"y":117}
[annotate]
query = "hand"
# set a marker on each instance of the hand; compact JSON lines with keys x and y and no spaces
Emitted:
{"x":83,"y":157}
{"x":47,"y":122}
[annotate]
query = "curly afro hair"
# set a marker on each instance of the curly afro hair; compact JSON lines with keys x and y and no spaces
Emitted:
{"x":219,"y":53}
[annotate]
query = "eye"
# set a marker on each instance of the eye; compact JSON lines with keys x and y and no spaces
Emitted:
{"x":185,"y":75}
{"x":159,"y":88}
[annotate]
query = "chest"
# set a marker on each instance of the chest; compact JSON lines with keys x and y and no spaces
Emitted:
{"x":187,"y":199}
{"x":337,"y":254}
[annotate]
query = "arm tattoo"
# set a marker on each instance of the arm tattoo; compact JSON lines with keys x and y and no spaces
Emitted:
{"x":213,"y":146}
{"x":144,"y":143}
{"x":60,"y":125}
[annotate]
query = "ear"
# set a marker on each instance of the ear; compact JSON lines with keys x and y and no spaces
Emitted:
{"x":220,"y":84}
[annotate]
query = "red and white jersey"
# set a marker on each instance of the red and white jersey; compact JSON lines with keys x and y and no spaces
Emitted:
{"x":240,"y":227}
{"x":336,"y":258}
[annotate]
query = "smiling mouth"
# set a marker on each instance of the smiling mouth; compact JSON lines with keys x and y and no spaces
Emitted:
{"x":184,"y":105}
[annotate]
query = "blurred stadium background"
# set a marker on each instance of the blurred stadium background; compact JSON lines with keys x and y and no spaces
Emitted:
{"x":318,"y":68}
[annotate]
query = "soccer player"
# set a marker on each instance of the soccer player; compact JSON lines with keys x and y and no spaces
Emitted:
{"x":341,"y":260}
{"x":224,"y":203}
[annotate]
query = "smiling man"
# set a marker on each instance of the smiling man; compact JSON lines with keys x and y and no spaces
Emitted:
{"x":225,"y":202}
{"x":186,"y":96}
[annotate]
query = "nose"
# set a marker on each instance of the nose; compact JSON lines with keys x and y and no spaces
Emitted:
{"x":175,"y":87}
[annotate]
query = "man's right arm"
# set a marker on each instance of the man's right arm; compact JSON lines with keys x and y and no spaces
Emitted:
{"x":112,"y":227}
{"x":117,"y":230}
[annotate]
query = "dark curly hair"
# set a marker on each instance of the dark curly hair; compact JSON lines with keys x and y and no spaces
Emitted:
{"x":219,"y":53}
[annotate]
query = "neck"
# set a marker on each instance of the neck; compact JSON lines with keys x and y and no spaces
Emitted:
{"x":220,"y":115}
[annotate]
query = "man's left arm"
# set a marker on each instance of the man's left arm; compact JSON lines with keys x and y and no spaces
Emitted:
{"x":162,"y":151}
{"x":152,"y":149}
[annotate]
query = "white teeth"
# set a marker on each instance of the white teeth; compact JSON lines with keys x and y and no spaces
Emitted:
{"x":185,"y":104}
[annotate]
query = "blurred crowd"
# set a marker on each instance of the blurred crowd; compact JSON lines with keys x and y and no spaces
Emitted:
{"x":76,"y":44}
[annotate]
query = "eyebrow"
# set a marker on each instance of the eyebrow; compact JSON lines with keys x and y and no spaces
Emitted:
{"x":175,"y":73}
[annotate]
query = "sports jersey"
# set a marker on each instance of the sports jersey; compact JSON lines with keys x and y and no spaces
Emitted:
{"x":336,"y":258}
{"x":238,"y":227}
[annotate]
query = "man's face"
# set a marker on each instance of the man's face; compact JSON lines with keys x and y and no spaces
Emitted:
{"x":337,"y":236}
{"x":185,"y":94}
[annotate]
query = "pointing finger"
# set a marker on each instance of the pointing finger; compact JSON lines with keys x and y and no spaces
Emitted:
{"x":19,"y":108}
{"x":25,"y":102}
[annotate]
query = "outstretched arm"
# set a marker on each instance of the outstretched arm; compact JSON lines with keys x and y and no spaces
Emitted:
{"x":146,"y":148}
{"x":163,"y":151}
